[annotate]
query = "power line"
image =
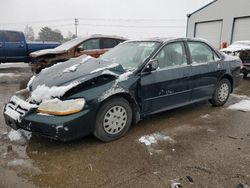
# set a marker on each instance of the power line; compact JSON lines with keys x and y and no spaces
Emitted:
{"x":134,"y":26}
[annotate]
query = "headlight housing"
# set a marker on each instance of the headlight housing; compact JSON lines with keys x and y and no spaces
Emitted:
{"x":61,"y":108}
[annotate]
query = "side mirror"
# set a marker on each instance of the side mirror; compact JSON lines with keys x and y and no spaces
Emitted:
{"x":152,"y":65}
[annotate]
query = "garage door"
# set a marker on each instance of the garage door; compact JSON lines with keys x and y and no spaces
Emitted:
{"x":210,"y":31}
{"x":241,"y":29}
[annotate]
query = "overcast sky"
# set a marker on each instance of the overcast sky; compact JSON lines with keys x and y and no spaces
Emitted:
{"x":131,"y":18}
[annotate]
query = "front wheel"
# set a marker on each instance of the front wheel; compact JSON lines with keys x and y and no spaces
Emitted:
{"x":113,"y":119}
{"x":221,"y":93}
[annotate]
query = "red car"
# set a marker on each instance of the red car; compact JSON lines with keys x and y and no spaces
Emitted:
{"x":94,"y":46}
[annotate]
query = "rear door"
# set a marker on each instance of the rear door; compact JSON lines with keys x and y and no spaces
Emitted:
{"x":14,"y":45}
{"x":206,"y":70}
{"x":1,"y":48}
{"x":168,"y":86}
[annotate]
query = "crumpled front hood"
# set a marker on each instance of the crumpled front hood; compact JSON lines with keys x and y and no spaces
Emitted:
{"x":45,"y":52}
{"x":78,"y":69}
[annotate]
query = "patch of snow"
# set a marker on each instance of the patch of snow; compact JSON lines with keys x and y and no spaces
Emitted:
{"x":86,"y":58}
{"x":19,"y":135}
{"x":71,"y":69}
{"x":22,"y":103}
{"x":58,"y":127}
{"x":30,"y":81}
{"x":205,"y":116}
{"x":42,"y":114}
{"x":20,"y":162}
{"x":154,"y":138}
{"x":15,"y":65}
{"x":124,"y":76}
{"x":42,"y":92}
{"x":103,"y":68}
{"x":8,"y":75}
{"x":12,"y":113}
{"x":111,"y":91}
{"x":243,"y":105}
{"x":211,"y":130}
{"x":240,"y":96}
{"x":15,"y":135}
{"x":109,"y":73}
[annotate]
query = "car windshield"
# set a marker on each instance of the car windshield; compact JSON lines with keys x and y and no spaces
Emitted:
{"x":70,"y":44}
{"x":130,"y":54}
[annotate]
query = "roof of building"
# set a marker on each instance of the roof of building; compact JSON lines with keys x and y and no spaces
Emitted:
{"x":201,"y":8}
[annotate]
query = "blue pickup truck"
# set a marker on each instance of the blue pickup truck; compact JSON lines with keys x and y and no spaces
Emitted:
{"x":14,"y":47}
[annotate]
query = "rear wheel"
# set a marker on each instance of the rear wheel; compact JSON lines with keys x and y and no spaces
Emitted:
{"x":221,"y":93}
{"x":113,"y":119}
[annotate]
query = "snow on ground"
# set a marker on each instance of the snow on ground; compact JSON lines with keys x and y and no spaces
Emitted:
{"x":205,"y":116}
{"x":243,"y":105}
{"x":240,"y":96}
{"x":154,"y":138}
{"x":14,"y":135}
{"x":18,"y":135}
{"x":8,"y":75}
{"x":20,"y":162}
{"x":13,"y":65}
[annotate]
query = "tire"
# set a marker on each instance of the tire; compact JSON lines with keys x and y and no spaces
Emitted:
{"x":221,"y":93}
{"x":245,"y":74}
{"x":110,"y":126}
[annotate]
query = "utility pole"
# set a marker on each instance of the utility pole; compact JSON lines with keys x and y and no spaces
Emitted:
{"x":76,"y":24}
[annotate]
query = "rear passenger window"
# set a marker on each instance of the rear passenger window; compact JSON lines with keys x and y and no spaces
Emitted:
{"x":91,"y":44}
{"x":201,"y":53}
{"x":172,"y":54}
{"x":109,"y":43}
{"x":11,"y":36}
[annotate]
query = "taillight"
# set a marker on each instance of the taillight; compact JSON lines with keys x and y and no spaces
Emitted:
{"x":241,"y":65}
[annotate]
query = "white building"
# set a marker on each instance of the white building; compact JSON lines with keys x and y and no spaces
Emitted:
{"x":221,"y":21}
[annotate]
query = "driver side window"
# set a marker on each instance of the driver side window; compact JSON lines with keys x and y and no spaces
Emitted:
{"x":171,"y":55}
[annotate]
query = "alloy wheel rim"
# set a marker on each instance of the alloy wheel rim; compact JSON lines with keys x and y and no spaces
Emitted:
{"x":115,"y":119}
{"x":223,"y":92}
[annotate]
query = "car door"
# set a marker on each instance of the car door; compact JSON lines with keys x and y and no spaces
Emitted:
{"x":15,"y":48}
{"x":206,"y":69}
{"x":90,"y":47}
{"x":1,"y":48}
{"x":168,"y":86}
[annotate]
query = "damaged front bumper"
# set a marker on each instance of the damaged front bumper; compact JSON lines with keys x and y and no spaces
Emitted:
{"x":63,"y":128}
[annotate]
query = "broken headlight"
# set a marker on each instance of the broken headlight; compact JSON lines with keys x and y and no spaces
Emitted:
{"x":61,"y":108}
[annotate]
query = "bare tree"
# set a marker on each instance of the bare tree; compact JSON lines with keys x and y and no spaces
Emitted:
{"x":29,"y":33}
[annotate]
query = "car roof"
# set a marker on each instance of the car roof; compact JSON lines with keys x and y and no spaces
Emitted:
{"x":168,"y":39}
{"x":104,"y":36}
